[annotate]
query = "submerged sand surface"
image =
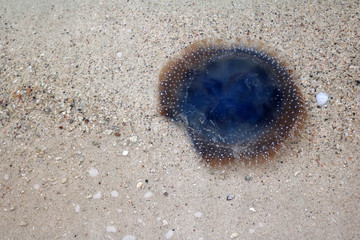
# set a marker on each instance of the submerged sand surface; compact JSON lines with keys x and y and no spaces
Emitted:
{"x":86,"y":155}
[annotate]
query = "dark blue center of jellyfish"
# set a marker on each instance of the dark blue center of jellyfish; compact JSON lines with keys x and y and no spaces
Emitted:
{"x":235,"y":102}
{"x":232,"y":99}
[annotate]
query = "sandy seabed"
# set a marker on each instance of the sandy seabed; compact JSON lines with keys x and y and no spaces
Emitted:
{"x":86,"y":155}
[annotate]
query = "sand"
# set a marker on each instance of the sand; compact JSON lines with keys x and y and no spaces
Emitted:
{"x":86,"y":155}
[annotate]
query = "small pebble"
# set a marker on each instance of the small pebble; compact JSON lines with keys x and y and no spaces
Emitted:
{"x":164,"y":222}
{"x":111,"y":229}
{"x":125,"y":153}
{"x":108,"y":132}
{"x":36,"y":186}
{"x":93,"y":172}
{"x":114,"y":193}
{"x":117,"y":134}
{"x":77,"y":208}
{"x":230,"y":197}
{"x":248,"y":178}
{"x":133,"y":139}
{"x":296,"y":173}
{"x":23,"y":224}
{"x":169,"y":234}
{"x":234,"y":235}
{"x":89,"y":196}
{"x":322,"y":98}
{"x":139,"y":184}
{"x":97,"y":195}
{"x":6,"y":177}
{"x":148,"y":194}
{"x":252,"y":209}
{"x":12,"y":208}
{"x":64,"y":180}
{"x":129,"y":237}
{"x":119,"y":54}
{"x":198,"y":214}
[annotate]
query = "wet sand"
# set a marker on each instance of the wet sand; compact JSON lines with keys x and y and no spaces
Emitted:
{"x":86,"y":155}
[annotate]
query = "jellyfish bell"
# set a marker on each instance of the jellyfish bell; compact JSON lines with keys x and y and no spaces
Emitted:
{"x":237,"y":101}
